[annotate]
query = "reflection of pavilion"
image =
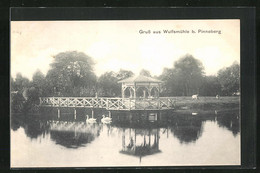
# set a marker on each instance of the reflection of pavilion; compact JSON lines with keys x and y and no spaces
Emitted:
{"x":140,"y":142}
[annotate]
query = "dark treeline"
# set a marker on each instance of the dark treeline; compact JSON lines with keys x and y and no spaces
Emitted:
{"x":187,"y":77}
{"x":71,"y":74}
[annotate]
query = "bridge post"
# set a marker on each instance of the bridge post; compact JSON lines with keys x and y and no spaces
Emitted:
{"x":92,"y":113}
{"x":75,"y":113}
{"x":109,"y":114}
{"x":58,"y":113}
{"x":130,"y":117}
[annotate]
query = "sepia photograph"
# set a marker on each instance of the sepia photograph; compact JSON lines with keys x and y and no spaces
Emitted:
{"x":125,"y":93}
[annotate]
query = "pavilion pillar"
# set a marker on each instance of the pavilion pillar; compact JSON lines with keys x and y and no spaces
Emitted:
{"x":135,"y":141}
{"x":123,"y":139}
{"x":123,"y":90}
{"x":157,"y":139}
{"x":149,"y":90}
{"x":134,"y":90}
{"x":158,"y":91}
{"x":131,"y":92}
{"x":149,"y":138}
{"x":130,"y":134}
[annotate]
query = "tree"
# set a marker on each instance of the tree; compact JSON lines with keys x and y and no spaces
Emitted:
{"x":210,"y":86}
{"x":189,"y":74}
{"x":229,"y":79}
{"x":169,"y":86}
{"x":31,"y":96}
{"x":108,"y":85}
{"x":145,"y":73}
{"x":108,"y":82}
{"x":38,"y":78}
{"x":12,"y":84}
{"x":22,"y":96}
{"x":185,"y":78}
{"x":123,"y":74}
{"x":20,"y":83}
{"x":38,"y":82}
{"x":71,"y":74}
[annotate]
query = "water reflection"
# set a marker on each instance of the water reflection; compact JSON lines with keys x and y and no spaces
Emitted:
{"x":139,"y":133}
{"x":15,"y":123}
{"x":140,"y":142}
{"x":229,"y":120}
{"x":186,"y":128}
{"x":71,"y":139}
{"x":32,"y":126}
{"x":73,"y":134}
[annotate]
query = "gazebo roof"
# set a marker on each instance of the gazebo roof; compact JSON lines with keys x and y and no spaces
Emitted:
{"x":140,"y":78}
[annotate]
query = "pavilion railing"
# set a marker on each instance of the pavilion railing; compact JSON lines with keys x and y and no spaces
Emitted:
{"x":110,"y":103}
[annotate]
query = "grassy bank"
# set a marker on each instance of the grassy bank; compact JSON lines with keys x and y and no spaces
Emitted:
{"x":206,"y":104}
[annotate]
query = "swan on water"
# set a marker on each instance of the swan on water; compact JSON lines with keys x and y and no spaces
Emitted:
{"x":106,"y":120}
{"x":90,"y":120}
{"x":194,"y":113}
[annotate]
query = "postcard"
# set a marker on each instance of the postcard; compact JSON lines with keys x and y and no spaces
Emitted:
{"x":125,"y":93}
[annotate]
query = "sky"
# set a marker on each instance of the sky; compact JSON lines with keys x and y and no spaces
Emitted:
{"x":115,"y":45}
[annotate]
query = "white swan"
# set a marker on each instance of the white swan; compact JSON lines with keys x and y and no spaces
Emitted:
{"x":194,"y":113}
{"x":106,"y":120}
{"x":90,"y":120}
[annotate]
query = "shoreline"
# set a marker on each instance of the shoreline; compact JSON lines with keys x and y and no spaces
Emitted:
{"x":207,"y":105}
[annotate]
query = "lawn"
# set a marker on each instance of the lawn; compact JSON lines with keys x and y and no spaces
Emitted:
{"x":208,"y":104}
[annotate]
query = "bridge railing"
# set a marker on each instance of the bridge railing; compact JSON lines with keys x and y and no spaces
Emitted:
{"x":110,"y":103}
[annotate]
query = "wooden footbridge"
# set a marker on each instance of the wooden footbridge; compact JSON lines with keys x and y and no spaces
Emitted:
{"x":143,"y":94}
{"x":110,"y":103}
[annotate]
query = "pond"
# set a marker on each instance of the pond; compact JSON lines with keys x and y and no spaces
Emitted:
{"x":144,"y":138}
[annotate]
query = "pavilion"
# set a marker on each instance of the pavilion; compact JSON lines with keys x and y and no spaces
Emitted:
{"x":140,"y":87}
{"x":140,"y":143}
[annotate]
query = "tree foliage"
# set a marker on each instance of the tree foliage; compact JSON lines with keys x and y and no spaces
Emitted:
{"x":210,"y":86}
{"x":123,"y":74}
{"x":189,"y":73}
{"x":108,"y":86}
{"x":185,"y":78}
{"x":38,"y":82}
{"x":20,"y":83}
{"x":229,"y":79}
{"x":145,"y":73}
{"x":71,"y":73}
{"x":169,"y":87}
{"x":24,"y":95}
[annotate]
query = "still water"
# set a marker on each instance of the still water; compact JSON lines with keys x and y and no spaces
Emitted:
{"x":131,"y":139}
